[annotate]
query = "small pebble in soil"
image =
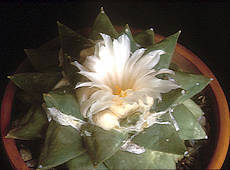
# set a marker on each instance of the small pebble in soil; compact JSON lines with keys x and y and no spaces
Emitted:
{"x":32,"y":163}
{"x":25,"y":154}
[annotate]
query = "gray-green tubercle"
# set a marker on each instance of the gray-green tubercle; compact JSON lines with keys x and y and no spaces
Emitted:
{"x":92,"y":147}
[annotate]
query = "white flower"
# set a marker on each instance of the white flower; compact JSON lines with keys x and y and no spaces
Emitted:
{"x":120,"y":81}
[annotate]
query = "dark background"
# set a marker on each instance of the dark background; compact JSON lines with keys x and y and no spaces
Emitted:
{"x":205,"y":29}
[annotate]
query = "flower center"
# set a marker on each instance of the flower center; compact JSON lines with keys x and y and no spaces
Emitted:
{"x":118,"y":91}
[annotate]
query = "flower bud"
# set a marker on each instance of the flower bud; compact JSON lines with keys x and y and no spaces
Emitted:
{"x":106,"y":120}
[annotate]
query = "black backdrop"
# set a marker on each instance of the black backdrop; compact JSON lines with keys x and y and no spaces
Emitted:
{"x":205,"y":30}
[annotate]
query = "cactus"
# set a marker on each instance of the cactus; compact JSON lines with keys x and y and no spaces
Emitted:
{"x":163,"y":122}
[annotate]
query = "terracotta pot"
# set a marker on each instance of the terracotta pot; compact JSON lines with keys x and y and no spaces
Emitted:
{"x":188,"y":62}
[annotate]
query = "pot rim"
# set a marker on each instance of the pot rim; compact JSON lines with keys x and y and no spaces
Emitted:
{"x":10,"y":147}
{"x":223,"y":130}
{"x":221,"y":149}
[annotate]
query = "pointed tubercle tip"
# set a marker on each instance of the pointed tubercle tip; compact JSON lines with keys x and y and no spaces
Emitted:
{"x":9,"y":136}
{"x":59,"y":23}
{"x":102,"y":10}
{"x":39,"y":166}
{"x":45,"y":94}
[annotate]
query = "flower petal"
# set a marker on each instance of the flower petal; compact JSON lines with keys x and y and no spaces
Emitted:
{"x":121,"y":48}
{"x":134,"y":58}
{"x":94,"y":77}
{"x":79,"y":66}
{"x":107,"y":41}
{"x":149,"y":60}
{"x":164,"y":86}
{"x":99,"y":106}
{"x":84,"y":84}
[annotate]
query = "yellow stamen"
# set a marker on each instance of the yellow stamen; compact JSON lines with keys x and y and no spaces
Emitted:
{"x":118,"y":91}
